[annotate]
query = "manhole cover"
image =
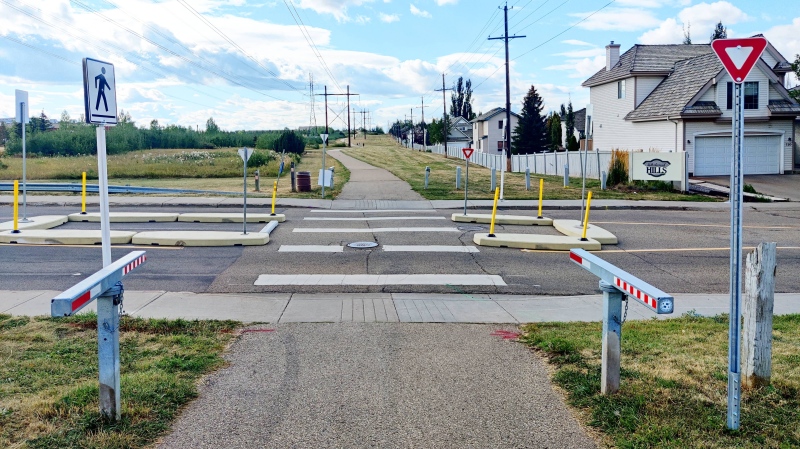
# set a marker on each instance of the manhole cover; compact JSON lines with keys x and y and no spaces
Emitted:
{"x":471,"y":228}
{"x":362,"y":245}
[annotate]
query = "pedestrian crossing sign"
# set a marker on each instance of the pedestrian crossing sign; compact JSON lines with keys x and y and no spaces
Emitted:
{"x":99,"y":92}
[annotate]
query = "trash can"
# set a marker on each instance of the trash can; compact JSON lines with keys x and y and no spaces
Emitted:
{"x":303,"y":181}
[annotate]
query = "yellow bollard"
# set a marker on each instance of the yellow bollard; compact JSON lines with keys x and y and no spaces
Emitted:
{"x":16,"y":207}
{"x":274,"y":194}
{"x":586,"y":217}
{"x":494,"y":211}
{"x":541,"y":192}
{"x":83,"y":194}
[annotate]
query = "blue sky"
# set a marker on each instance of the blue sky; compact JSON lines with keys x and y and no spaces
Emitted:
{"x":247,"y":63}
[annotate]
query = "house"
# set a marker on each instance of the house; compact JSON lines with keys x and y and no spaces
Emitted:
{"x":487,"y":130}
{"x":796,"y":91}
{"x":460,"y":130}
{"x":679,"y":98}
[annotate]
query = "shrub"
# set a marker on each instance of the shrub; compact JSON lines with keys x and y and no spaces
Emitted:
{"x":572,"y":144}
{"x":260,"y":158}
{"x":618,"y":168}
{"x":747,"y":188}
{"x":289,"y":141}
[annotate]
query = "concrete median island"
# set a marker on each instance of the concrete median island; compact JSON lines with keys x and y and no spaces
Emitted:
{"x":536,"y":241}
{"x":40,"y":222}
{"x":200,"y":238}
{"x":502,"y":219}
{"x":64,"y":237}
{"x":229,"y":217}
{"x":126,"y":217}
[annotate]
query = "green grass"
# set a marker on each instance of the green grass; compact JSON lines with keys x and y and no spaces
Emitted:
{"x":219,"y":170}
{"x":49,"y":386}
{"x":674,"y":381}
{"x":409,"y":165}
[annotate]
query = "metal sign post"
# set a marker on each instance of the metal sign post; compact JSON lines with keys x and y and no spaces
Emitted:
{"x":615,"y":283}
{"x":23,"y":118}
{"x":467,"y":154}
{"x":245,"y":154}
{"x":503,"y":165}
{"x":99,"y":85}
{"x":106,"y":287}
{"x":324,"y":137}
{"x":738,"y":56}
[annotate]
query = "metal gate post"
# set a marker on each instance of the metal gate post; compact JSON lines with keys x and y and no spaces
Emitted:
{"x":612,"y":336}
{"x":108,"y":350}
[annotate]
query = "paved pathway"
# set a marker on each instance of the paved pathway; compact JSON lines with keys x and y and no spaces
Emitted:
{"x":377,"y":385}
{"x":372,"y":183}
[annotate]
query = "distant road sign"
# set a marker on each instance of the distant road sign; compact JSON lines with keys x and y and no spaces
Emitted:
{"x":22,"y":113}
{"x":739,"y":56}
{"x":324,"y":138}
{"x":467,"y":152}
{"x":245,"y":153}
{"x":99,"y":92}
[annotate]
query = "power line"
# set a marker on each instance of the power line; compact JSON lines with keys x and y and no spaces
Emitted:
{"x":310,"y":40}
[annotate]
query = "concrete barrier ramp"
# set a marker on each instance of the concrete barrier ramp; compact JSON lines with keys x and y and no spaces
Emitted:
{"x":126,"y":217}
{"x":536,"y":241}
{"x":229,"y":217}
{"x":575,"y":228}
{"x":200,"y":238}
{"x":39,"y":222}
{"x":502,"y":219}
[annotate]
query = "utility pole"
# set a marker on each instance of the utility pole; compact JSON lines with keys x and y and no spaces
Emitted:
{"x":445,"y":127}
{"x":312,"y":121}
{"x":423,"y":121}
{"x":348,"y":95}
{"x":412,"y":129}
{"x":364,"y":123}
{"x":506,"y":37}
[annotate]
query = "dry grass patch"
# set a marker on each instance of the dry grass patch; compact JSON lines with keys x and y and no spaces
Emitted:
{"x":49,"y":387}
{"x":674,"y":383}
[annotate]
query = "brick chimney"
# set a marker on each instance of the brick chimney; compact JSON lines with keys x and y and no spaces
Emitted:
{"x":612,"y":55}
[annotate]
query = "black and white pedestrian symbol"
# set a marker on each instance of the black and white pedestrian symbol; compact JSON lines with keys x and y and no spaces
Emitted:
{"x":99,"y":91}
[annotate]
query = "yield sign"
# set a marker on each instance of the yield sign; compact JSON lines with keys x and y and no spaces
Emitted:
{"x":739,"y":55}
{"x":467,"y":152}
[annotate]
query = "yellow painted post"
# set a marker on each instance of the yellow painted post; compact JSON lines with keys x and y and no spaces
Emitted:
{"x":586,"y":217}
{"x":16,"y":207}
{"x":274,"y":194}
{"x":541,"y":192}
{"x":83,"y":194}
{"x":494,"y":211}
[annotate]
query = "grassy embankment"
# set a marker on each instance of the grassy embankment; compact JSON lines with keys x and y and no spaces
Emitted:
{"x":673,"y":390}
{"x":49,"y":386}
{"x":409,"y":165}
{"x":184,"y":169}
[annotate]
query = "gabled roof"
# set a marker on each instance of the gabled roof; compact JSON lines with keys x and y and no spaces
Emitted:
{"x":643,"y":59}
{"x":580,"y":120}
{"x":492,"y":113}
{"x":672,"y":96}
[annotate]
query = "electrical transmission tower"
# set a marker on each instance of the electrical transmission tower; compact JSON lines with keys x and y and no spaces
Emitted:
{"x":312,"y":119}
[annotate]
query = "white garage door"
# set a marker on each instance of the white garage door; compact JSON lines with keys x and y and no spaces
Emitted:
{"x":713,"y":155}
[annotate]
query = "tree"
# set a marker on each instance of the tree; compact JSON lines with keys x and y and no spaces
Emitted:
{"x":720,"y":32}
{"x":796,"y":68}
{"x":461,"y":99}
{"x":687,"y":34}
{"x":290,"y":142}
{"x":555,"y":131}
{"x":530,"y":135}
{"x":211,"y":126}
{"x":124,"y":118}
{"x":3,"y":133}
{"x":65,"y":118}
{"x":570,"y":122}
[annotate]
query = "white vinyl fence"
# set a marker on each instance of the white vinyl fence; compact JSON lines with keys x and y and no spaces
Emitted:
{"x":539,"y":163}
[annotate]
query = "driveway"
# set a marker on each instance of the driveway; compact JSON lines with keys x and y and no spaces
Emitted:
{"x":781,"y":186}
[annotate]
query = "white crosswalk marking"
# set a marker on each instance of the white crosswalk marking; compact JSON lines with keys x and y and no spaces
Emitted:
{"x":379,"y":279}
{"x":310,"y":249}
{"x":372,"y":211}
{"x":370,"y":218}
{"x":374,"y":230}
{"x":431,"y":248}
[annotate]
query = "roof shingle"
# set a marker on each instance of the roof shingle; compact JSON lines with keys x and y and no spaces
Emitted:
{"x":647,"y":58}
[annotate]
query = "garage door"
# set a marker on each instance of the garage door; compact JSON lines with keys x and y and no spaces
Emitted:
{"x":713,"y":155}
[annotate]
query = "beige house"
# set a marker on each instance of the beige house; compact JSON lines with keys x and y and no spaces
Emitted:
{"x":487,"y":130}
{"x":679,"y":98}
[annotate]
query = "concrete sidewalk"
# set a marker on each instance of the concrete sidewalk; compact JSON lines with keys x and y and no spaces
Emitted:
{"x":379,"y":307}
{"x":368,"y":182}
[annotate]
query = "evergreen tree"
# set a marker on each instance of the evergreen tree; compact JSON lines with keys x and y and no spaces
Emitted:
{"x":3,"y":133}
{"x":570,"y":121}
{"x":290,"y":142}
{"x":555,"y":132}
{"x":720,"y":32}
{"x":530,"y":135}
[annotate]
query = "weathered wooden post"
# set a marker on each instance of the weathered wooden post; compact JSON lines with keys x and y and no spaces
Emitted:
{"x":759,"y":298}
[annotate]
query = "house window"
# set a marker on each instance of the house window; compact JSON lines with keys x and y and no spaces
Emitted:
{"x":500,"y":145}
{"x":750,"y":95}
{"x":621,"y":89}
{"x":499,"y":124}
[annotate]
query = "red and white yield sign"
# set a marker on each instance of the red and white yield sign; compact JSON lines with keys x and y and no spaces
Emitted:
{"x":467,"y":152}
{"x":739,"y":55}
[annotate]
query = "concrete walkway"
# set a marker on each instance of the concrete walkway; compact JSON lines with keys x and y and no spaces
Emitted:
{"x":780,"y":186}
{"x":379,"y":307}
{"x":371,"y":183}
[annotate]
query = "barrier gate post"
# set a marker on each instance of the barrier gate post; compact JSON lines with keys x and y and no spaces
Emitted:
{"x":615,"y":283}
{"x":105,"y":286}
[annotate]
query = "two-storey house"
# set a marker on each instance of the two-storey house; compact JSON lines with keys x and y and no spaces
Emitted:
{"x":487,"y":130}
{"x":679,"y":98}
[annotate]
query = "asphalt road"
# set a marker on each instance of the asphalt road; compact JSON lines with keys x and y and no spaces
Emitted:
{"x":378,"y":385}
{"x":677,"y":251}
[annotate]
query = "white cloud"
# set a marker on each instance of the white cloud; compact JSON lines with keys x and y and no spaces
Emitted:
{"x":577,"y":42}
{"x":581,"y":68}
{"x":641,"y":3}
{"x":786,"y":40}
{"x":336,"y":8}
{"x":589,"y":53}
{"x":362,"y":19}
{"x":446,"y":2}
{"x":418,"y":12}
{"x":389,"y":18}
{"x":618,"y":19}
{"x":699,"y":20}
